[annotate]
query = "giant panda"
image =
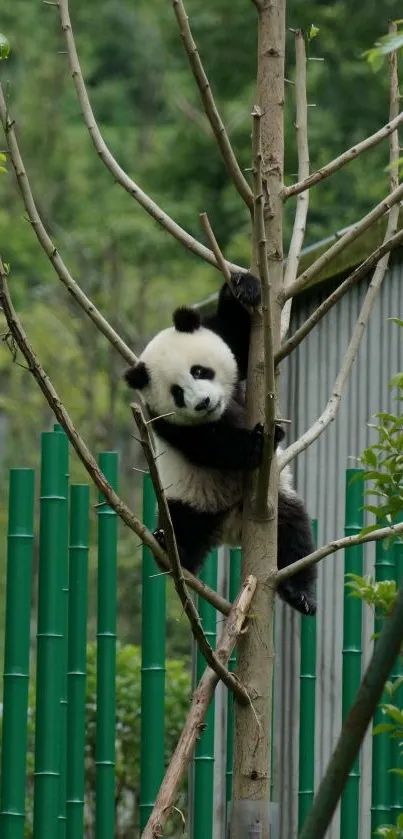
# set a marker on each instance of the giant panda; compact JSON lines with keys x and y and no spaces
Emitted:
{"x":192,"y":378}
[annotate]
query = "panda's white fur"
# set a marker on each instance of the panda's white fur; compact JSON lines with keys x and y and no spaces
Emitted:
{"x":192,"y":378}
{"x":206,"y":488}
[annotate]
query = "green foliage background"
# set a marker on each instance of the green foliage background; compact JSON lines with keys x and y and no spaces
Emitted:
{"x":144,"y":98}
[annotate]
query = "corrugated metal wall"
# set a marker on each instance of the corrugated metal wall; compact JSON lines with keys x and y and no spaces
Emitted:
{"x":307,"y":382}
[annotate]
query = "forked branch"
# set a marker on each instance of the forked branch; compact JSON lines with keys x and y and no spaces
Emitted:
{"x":353,"y":233}
{"x":221,"y":262}
{"x":209,"y":105}
{"x":229,"y":679}
{"x":301,"y":127}
{"x":333,"y":404}
{"x":194,"y":723}
{"x":384,"y":655}
{"x":46,"y":243}
{"x":338,"y":545}
{"x":112,"y":498}
{"x":346,"y":157}
{"x":288,"y":346}
{"x":119,"y":175}
{"x":261,"y":259}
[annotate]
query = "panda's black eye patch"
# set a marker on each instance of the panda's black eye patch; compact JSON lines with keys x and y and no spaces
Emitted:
{"x":200,"y":372}
{"x":178,"y":396}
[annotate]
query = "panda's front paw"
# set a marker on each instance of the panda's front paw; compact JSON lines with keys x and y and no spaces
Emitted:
{"x":246,"y":289}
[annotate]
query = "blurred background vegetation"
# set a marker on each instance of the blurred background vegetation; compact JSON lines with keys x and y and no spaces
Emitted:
{"x":149,"y":111}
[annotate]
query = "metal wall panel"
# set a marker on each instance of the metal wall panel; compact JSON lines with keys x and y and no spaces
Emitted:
{"x":307,"y":383}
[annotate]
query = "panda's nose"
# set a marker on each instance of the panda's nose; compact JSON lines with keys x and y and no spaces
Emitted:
{"x":201,"y":406}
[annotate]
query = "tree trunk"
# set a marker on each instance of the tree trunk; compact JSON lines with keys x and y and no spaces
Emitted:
{"x":250,"y":810}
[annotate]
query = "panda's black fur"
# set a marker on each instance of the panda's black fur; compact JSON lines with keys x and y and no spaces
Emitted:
{"x":192,"y":377}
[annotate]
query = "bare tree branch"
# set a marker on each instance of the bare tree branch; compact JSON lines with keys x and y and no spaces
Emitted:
{"x":338,"y":545}
{"x":394,"y":111}
{"x":229,"y":679}
{"x":339,"y":162}
{"x":333,"y":404}
{"x":387,"y":648}
{"x":221,"y":262}
{"x":353,"y":731}
{"x":252,"y":725}
{"x":210,"y":107}
{"x":301,"y":126}
{"x":352,"y":233}
{"x":316,"y":316}
{"x":201,"y":700}
{"x":46,"y":243}
{"x":109,"y":161}
{"x":89,"y":462}
{"x":262,"y":264}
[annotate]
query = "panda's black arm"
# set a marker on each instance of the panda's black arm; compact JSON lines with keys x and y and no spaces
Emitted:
{"x":231,"y":320}
{"x":215,"y":445}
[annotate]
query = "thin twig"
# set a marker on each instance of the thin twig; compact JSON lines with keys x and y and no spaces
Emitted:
{"x":194,"y":723}
{"x":394,"y":111}
{"x":352,"y":233}
{"x":301,"y":126}
{"x":269,"y":380}
{"x":333,"y":404}
{"x":229,"y":679}
{"x":85,"y":455}
{"x":338,"y":545}
{"x":209,"y":105}
{"x":221,"y":262}
{"x":46,"y":243}
{"x":111,"y":163}
{"x":316,"y":316}
{"x":344,"y":158}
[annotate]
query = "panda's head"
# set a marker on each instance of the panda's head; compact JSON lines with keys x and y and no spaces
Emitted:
{"x":186,"y":371}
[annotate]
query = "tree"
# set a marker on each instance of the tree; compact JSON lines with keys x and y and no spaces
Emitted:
{"x":264,"y":201}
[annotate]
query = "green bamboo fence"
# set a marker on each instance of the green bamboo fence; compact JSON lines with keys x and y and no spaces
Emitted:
{"x":381,"y":745}
{"x":106,"y":657}
{"x":352,"y":644}
{"x":152,"y":668}
{"x":306,"y":785}
{"x":77,"y":658}
{"x":16,"y":658}
{"x":203,"y":810}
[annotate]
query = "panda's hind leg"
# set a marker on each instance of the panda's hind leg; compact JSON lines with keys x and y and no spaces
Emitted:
{"x":295,"y":540}
{"x":196,"y":534}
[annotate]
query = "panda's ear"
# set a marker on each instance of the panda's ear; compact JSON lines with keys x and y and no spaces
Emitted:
{"x":138,"y":376}
{"x":186,"y":320}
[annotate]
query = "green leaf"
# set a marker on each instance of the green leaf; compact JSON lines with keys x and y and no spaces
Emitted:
{"x":4,"y":47}
{"x":382,"y":727}
{"x":370,"y":457}
{"x":313,"y":32}
{"x":394,"y":713}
